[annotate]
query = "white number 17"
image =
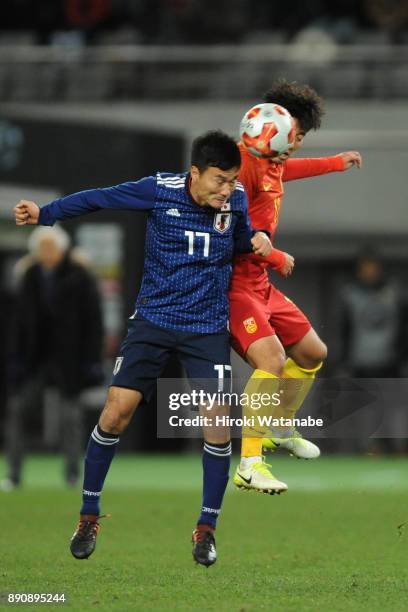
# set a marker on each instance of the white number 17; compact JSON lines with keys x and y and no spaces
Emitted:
{"x":191,"y":235}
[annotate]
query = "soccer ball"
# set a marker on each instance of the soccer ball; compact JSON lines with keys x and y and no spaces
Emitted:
{"x":267,"y":130}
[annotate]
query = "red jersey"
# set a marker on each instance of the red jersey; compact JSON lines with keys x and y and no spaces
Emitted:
{"x":263,"y":181}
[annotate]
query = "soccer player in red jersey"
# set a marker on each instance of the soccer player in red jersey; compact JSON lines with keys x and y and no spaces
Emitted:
{"x":268,"y":330}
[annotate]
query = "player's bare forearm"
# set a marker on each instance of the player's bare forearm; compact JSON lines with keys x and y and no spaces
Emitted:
{"x":26,"y":212}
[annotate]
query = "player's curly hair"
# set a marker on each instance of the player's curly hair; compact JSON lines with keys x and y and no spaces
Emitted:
{"x":302,"y":101}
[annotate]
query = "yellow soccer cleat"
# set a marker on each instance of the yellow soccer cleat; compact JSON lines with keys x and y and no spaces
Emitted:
{"x":258,"y":477}
{"x":294,"y":444}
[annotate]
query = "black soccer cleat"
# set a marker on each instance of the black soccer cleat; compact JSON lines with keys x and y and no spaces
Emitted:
{"x":83,"y":541}
{"x":204,"y":551}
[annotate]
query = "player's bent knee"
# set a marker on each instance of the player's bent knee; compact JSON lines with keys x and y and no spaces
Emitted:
{"x":310,"y":356}
{"x":318,"y":355}
{"x":323,"y":352}
{"x":267,"y":357}
{"x":272,"y":364}
{"x":309,"y":352}
{"x":119,"y":408}
{"x":112,"y":421}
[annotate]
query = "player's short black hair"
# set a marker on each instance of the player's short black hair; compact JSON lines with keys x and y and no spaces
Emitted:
{"x":302,"y":101}
{"x":216,"y":149}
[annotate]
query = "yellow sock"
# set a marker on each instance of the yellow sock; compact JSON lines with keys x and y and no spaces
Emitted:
{"x":295,"y":386}
{"x":260,"y":382}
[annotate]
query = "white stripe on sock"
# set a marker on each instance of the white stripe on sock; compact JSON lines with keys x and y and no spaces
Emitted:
{"x":217,"y":448}
{"x":101,"y":440}
{"x":217,"y":454}
{"x":213,"y":450}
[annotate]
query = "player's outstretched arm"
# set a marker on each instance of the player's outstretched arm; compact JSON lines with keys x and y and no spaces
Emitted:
{"x":26,"y":213}
{"x":298,"y":168}
{"x":133,"y":195}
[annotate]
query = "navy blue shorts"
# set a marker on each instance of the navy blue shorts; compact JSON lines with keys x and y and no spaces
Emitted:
{"x":147,"y":348}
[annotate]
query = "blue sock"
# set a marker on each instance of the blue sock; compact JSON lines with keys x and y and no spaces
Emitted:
{"x":216,"y":463}
{"x":99,"y":454}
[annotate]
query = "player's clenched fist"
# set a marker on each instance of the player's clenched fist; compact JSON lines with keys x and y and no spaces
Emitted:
{"x":351,"y":158}
{"x":261,"y":244}
{"x":26,"y":213}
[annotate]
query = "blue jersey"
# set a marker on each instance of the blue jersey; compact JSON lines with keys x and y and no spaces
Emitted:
{"x":188,"y":251}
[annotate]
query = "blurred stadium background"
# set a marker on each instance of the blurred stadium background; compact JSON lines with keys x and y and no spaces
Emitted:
{"x":97,"y":92}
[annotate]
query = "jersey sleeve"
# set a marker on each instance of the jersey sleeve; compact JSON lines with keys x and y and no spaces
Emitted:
{"x":133,"y":195}
{"x":243,"y":231}
{"x":276,"y":259}
{"x":313,"y":166}
{"x":248,"y":177}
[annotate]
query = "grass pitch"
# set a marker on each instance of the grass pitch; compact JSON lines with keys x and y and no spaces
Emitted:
{"x":334,"y":542}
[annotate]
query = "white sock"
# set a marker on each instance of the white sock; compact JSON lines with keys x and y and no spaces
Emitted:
{"x":246,"y":462}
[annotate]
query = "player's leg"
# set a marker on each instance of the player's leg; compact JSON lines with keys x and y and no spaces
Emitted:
{"x":208,"y":357}
{"x":306,"y":353}
{"x":216,"y":459}
{"x":267,"y":357}
{"x":254,"y":339}
{"x":142,"y":358}
{"x":119,"y":408}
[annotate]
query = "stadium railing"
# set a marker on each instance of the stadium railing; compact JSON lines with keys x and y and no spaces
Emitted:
{"x":41,"y":73}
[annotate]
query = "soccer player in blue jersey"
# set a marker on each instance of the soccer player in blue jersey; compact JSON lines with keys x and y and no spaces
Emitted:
{"x":196,"y":221}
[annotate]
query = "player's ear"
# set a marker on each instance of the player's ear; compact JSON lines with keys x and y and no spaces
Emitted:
{"x":195,"y":173}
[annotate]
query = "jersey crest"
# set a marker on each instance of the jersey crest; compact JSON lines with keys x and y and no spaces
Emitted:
{"x":250,"y":325}
{"x":222,"y":219}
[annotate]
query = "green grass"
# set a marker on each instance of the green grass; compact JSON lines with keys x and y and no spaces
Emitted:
{"x":331,"y":543}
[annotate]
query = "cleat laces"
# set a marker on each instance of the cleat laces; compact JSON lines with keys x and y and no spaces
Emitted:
{"x":86,"y":528}
{"x":264,"y":468}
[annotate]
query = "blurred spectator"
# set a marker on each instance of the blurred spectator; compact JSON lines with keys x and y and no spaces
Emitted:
{"x":390,"y":16}
{"x":194,"y":22}
{"x":373,"y":334}
{"x":56,"y":342}
{"x":338,"y":19}
{"x":372,"y":315}
{"x":204,"y":23}
{"x":87,"y":17}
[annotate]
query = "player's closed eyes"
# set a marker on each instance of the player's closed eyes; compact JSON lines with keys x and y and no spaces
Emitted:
{"x":232,"y":184}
